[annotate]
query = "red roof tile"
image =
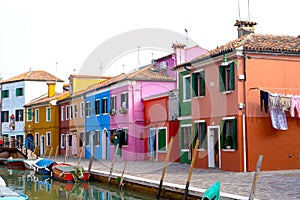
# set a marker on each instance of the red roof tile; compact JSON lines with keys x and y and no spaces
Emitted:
{"x":35,"y":75}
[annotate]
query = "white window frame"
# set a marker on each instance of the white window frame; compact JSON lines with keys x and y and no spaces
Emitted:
{"x":37,"y":116}
{"x":62,"y":113}
{"x":62,"y":141}
{"x":48,"y":109}
{"x":48,"y":139}
{"x":184,"y":87}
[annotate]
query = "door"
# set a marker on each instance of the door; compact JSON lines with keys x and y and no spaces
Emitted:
{"x":152,"y":143}
{"x":42,"y":145}
{"x":104,"y":144}
{"x":213,"y":146}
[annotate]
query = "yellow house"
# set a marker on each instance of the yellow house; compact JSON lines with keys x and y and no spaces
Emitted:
{"x":41,"y":124}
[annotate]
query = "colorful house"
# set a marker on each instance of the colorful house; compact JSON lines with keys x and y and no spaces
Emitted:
{"x":42,"y":123}
{"x":161,"y":124}
{"x":15,"y":93}
{"x":236,"y":111}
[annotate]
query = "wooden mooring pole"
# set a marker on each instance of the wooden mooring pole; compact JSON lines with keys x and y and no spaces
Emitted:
{"x":165,"y":167}
{"x":122,"y":176}
{"x":112,"y":164}
{"x":258,"y":166}
{"x":191,"y":169}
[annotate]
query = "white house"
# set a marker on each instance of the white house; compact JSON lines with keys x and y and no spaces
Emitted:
{"x":15,"y":93}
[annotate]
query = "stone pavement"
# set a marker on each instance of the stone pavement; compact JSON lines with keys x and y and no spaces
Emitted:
{"x":271,"y":184}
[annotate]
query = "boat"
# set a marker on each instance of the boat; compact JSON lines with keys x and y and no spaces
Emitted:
{"x":15,"y":162}
{"x":69,"y":173}
{"x":43,"y":166}
{"x":213,"y":192}
{"x":7,"y":194}
{"x":29,"y":163}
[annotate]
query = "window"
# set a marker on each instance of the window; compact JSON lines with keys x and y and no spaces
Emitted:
{"x":4,"y":116}
{"x":36,"y":139}
{"x":29,"y":114}
{"x":124,"y":100}
{"x":5,"y":93}
{"x":67,"y":113}
{"x":187,"y":87}
{"x":87,"y":138}
{"x":162,"y":139}
{"x":81,"y":108}
{"x":37,"y":117}
{"x":113,"y":101}
{"x":200,"y":130}
{"x":48,"y":114}
{"x":19,"y":92}
{"x":123,"y":137}
{"x":48,"y":139}
{"x":62,"y":113}
{"x":185,"y":137}
{"x":62,"y":140}
{"x":226,"y":77}
{"x":228,"y":134}
{"x":75,"y":111}
{"x":97,"y":107}
{"x":87,"y":109}
{"x":97,"y":138}
{"x":198,"y":84}
{"x":71,"y":112}
{"x":104,"y":106}
{"x":19,"y":115}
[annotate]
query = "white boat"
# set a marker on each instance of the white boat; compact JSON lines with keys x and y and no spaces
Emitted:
{"x":2,"y":182}
{"x":7,"y":194}
{"x":29,"y":163}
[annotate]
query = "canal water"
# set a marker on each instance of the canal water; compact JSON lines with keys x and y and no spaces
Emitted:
{"x":42,"y":187}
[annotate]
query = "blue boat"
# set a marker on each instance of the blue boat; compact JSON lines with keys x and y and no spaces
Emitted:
{"x":43,"y":166}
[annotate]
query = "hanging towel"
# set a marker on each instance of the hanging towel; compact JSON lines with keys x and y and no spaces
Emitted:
{"x":295,"y":103}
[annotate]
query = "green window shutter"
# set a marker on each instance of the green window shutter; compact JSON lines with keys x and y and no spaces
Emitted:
{"x":204,"y":139}
{"x":234,"y":138}
{"x":162,"y":140}
{"x":2,"y":94}
{"x":202,"y":73}
{"x":188,"y":88}
{"x":232,"y":76}
{"x":195,"y":85}
{"x":222,"y":136}
{"x":221,"y":79}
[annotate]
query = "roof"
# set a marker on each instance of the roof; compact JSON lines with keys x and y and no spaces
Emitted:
{"x":45,"y":99}
{"x":256,"y":43}
{"x":148,"y":73}
{"x":34,"y":75}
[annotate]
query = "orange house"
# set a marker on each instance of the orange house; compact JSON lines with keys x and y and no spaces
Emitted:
{"x":238,"y":111}
{"x":42,"y":123}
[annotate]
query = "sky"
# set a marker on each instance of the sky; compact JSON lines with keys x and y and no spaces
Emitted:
{"x":59,"y":35}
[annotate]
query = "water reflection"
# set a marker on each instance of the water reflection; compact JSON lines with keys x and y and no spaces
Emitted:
{"x":42,"y":187}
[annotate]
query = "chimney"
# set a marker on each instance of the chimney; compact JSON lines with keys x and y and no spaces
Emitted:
{"x":51,"y":89}
{"x":179,"y":53}
{"x":244,"y":27}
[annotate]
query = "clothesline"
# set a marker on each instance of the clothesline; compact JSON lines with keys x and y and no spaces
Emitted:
{"x":277,"y":105}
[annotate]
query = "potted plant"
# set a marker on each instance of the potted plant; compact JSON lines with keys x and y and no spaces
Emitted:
{"x":228,"y":142}
{"x":112,"y":112}
{"x":123,"y":110}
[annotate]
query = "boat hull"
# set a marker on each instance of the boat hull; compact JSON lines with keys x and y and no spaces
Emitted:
{"x":66,"y":173}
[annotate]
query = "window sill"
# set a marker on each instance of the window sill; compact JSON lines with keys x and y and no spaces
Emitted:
{"x":199,"y":97}
{"x":184,"y":150}
{"x":228,"y":150}
{"x":227,"y":92}
{"x":201,"y":150}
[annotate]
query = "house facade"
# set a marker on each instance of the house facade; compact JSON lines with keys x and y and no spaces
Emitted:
{"x":42,"y":123}
{"x":236,"y":100}
{"x":161,"y":124}
{"x":15,"y":93}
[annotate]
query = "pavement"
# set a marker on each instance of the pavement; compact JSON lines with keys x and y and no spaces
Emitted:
{"x":234,"y":185}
